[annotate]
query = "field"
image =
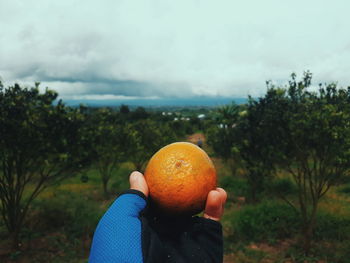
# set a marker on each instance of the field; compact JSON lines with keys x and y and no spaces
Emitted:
{"x":283,"y":159}
{"x":63,"y":219}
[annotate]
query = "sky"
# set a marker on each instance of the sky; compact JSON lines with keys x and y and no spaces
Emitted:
{"x":125,"y":49}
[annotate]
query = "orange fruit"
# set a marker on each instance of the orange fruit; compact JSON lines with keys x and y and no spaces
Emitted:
{"x":179,"y":177}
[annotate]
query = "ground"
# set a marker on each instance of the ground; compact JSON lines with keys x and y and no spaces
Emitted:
{"x":58,"y":246}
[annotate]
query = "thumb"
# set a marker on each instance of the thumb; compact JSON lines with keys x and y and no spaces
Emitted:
{"x":138,"y":182}
{"x":214,"y":207}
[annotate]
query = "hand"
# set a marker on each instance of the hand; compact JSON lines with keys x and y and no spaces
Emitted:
{"x":214,"y":207}
{"x":130,"y":232}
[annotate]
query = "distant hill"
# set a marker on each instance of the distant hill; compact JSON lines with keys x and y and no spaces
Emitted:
{"x":166,"y":102}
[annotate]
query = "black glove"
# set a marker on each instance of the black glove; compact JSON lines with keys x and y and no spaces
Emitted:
{"x":130,"y":231}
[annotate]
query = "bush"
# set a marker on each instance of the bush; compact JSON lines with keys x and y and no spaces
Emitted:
{"x":345,"y":189}
{"x":267,"y":221}
{"x":70,"y":212}
{"x":335,"y":252}
{"x":332,"y":227}
{"x":234,"y":185}
{"x":281,"y":186}
{"x":272,"y":220}
{"x":120,"y":180}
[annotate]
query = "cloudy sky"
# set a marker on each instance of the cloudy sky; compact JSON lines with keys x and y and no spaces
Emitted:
{"x":166,"y":48}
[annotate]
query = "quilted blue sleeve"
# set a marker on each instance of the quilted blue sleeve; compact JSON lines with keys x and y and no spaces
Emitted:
{"x":117,"y":237}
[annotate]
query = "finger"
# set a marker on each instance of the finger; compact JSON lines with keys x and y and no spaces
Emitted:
{"x":214,"y":206}
{"x":138,"y":182}
{"x":223,"y":195}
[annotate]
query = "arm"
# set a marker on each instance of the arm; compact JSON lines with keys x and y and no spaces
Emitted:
{"x":128,"y":232}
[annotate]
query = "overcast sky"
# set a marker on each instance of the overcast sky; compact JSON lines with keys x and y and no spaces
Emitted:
{"x":171,"y":48}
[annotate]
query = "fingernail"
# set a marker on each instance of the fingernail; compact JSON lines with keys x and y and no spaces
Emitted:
{"x":134,"y":177}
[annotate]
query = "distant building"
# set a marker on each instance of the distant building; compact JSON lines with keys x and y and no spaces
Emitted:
{"x":201,"y":116}
{"x":221,"y":126}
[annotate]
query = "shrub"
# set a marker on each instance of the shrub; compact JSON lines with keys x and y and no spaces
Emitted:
{"x":120,"y":180}
{"x":272,"y":220}
{"x":281,"y":186}
{"x":337,"y":252}
{"x":345,"y":189}
{"x":70,"y":212}
{"x":332,"y":227}
{"x":267,"y":221}
{"x":234,"y":185}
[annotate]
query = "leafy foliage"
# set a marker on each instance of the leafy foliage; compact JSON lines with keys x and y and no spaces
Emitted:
{"x":40,"y":144}
{"x":267,"y":221}
{"x":234,"y":185}
{"x":291,"y":130}
{"x":109,"y":141}
{"x":221,"y":137}
{"x":332,"y":227}
{"x":306,"y":134}
{"x":299,"y":135}
{"x":240,"y":140}
{"x":147,"y":138}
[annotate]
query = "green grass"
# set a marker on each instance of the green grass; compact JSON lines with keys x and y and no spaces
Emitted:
{"x":64,"y":217}
{"x":345,"y":189}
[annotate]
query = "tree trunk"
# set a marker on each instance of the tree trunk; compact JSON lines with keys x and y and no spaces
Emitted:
{"x":233,"y":167}
{"x":14,"y":231}
{"x":255,"y":184}
{"x":307,"y":240}
{"x":14,"y":218}
{"x":308,"y":231}
{"x":105,"y":188}
{"x":253,"y":194}
{"x":15,"y":239}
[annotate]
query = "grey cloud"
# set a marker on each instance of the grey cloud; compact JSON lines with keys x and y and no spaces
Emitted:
{"x":167,"y":48}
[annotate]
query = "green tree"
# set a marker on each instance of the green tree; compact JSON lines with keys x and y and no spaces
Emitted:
{"x":139,"y":113}
{"x":254,"y":136}
{"x":124,"y":109}
{"x":225,"y":138}
{"x":220,"y":136}
{"x":305,"y":134}
{"x":181,"y":128}
{"x":40,"y":144}
{"x":147,"y":138}
{"x":110,"y":143}
{"x":238,"y":139}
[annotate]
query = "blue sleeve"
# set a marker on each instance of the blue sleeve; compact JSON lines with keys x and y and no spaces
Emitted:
{"x":117,"y":237}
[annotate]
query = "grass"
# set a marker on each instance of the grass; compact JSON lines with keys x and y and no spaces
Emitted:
{"x":266,"y":228}
{"x":64,"y":216}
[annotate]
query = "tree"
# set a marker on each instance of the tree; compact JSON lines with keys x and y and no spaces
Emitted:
{"x":230,"y":139}
{"x":251,"y":142}
{"x":40,"y":144}
{"x":305,"y":134}
{"x":110,"y":143}
{"x":239,"y":141}
{"x":139,"y":113}
{"x":220,"y":136}
{"x":124,"y":109}
{"x":147,"y":138}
